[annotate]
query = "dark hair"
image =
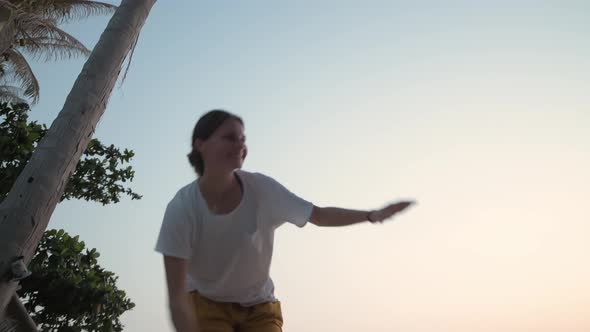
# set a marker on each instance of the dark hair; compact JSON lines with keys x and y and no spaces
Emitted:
{"x":205,"y":127}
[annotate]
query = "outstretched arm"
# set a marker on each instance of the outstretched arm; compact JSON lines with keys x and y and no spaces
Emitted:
{"x":332,"y":216}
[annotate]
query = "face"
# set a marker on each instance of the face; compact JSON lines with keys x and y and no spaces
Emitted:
{"x":225,"y":149}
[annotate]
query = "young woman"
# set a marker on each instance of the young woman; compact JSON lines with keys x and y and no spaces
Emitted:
{"x":217,"y":234}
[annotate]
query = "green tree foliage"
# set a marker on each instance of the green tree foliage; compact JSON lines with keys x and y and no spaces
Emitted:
{"x":68,"y":290}
{"x":98,"y":176}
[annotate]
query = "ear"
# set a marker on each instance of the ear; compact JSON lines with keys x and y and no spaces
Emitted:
{"x":198,"y":145}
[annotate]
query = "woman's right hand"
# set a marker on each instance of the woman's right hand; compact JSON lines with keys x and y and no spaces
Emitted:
{"x":389,"y":211}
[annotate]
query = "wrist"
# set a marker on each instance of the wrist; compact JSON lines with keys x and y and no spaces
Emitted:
{"x":369,"y":213}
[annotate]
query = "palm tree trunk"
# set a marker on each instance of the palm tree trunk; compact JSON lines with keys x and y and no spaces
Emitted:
{"x":16,"y":310}
{"x":25,"y":212}
{"x":9,"y":325}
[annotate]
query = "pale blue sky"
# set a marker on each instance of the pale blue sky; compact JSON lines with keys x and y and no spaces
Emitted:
{"x":479,"y":111}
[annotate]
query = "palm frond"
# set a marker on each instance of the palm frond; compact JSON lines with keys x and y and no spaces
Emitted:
{"x":54,"y":49}
{"x":7,"y":14}
{"x":18,"y":70}
{"x":11,"y":94}
{"x":44,"y":39}
{"x":70,"y":10}
{"x":8,"y":4}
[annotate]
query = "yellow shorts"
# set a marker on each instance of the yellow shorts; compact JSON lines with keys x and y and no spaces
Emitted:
{"x":232,"y":317}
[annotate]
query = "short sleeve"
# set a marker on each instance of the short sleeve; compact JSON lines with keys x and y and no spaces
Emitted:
{"x":176,"y":231}
{"x":282,"y":204}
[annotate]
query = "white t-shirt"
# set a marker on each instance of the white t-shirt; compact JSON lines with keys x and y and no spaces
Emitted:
{"x":229,"y":255}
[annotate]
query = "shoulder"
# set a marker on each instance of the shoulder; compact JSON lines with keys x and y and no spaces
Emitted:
{"x":257,"y":179}
{"x":183,"y":197}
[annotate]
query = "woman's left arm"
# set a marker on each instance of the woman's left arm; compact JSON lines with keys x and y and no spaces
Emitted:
{"x":332,"y":216}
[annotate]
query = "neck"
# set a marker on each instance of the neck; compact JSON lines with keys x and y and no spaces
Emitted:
{"x":216,"y":183}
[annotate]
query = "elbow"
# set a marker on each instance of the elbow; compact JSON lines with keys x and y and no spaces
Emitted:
{"x":316,"y":216}
{"x":176,"y":304}
{"x":179,"y":305}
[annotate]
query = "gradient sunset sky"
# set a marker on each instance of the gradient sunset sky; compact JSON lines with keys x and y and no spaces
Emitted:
{"x":478,"y":110}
